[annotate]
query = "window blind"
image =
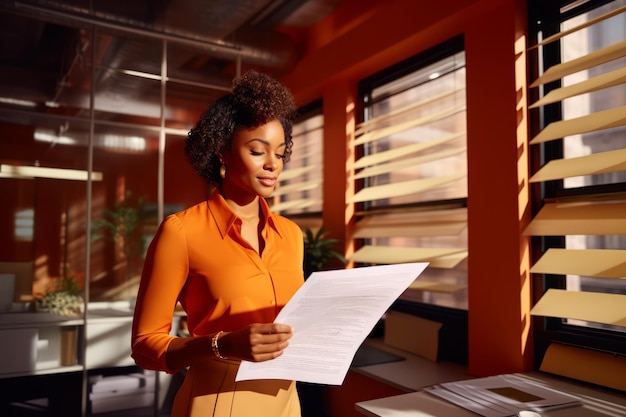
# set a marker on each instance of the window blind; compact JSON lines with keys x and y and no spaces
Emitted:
{"x":452,"y":222}
{"x":590,"y":215}
{"x":411,"y":174}
{"x":300,"y":186}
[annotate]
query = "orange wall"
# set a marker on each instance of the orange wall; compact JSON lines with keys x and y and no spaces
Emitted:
{"x":339,"y":126}
{"x":499,"y":291}
{"x":343,"y":51}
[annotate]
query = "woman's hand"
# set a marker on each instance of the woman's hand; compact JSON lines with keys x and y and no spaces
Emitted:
{"x":256,"y":342}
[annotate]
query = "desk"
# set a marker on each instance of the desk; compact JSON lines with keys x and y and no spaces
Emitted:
{"x":414,"y":372}
{"x":596,"y":403}
{"x":388,"y":379}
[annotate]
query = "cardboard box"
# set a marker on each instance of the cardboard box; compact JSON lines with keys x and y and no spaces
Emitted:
{"x":412,"y":334}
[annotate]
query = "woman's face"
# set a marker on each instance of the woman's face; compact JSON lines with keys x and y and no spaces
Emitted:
{"x":255,"y":160}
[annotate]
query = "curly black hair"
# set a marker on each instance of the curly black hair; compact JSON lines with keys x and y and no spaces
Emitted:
{"x":256,"y":99}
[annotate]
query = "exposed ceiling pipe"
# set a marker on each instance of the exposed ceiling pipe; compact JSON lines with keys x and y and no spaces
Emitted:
{"x":202,"y":36}
{"x":208,"y":45}
{"x":277,"y":53}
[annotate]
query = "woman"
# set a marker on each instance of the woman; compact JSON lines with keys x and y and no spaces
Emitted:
{"x":230,"y":262}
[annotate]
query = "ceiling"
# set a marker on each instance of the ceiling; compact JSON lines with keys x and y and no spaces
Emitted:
{"x":47,"y":46}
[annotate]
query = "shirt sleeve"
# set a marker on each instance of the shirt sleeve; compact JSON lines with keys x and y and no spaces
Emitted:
{"x":164,"y":274}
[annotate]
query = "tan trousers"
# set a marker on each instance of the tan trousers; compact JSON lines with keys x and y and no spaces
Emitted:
{"x":210,"y":390}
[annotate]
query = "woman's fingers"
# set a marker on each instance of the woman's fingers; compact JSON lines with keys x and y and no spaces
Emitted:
{"x":258,"y":342}
{"x":268,"y":340}
{"x":268,"y":351}
{"x":271,"y":338}
{"x":271,"y":328}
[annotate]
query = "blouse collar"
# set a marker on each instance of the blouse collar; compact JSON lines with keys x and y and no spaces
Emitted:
{"x":225,"y":218}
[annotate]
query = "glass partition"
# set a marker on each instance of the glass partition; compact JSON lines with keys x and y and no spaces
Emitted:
{"x":92,"y":126}
{"x":106,"y":136}
{"x":44,"y":172}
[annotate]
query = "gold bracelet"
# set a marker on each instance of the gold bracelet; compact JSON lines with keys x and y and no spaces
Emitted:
{"x":215,"y":347}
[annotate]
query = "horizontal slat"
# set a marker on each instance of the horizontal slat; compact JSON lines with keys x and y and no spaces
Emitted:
{"x":414,"y":224}
{"x":597,"y":367}
{"x":373,"y":123}
{"x":402,"y":151}
{"x":305,"y":152}
{"x":599,"y":82}
{"x":434,"y":229}
{"x":433,"y":286}
{"x":600,"y":163}
{"x":602,"y":263}
{"x":590,"y":60}
{"x":562,"y":219}
{"x":405,"y":163}
{"x":291,"y":173}
{"x":401,"y":188}
{"x":396,"y":255}
{"x":313,"y":223}
{"x":423,"y":216}
{"x":590,"y":123}
{"x":401,"y":127}
{"x":588,"y":23}
{"x":297,"y":187}
{"x":309,"y":129}
{"x":448,"y":261}
{"x":294,"y":204}
{"x":587,"y":306}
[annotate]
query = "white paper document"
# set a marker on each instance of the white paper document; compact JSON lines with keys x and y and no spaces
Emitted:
{"x":332,"y":314}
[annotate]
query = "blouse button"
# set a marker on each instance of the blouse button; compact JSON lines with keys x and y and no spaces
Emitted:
{"x":272,"y":302}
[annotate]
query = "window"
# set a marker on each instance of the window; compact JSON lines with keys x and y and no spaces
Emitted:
{"x":578,"y":103}
{"x":299,"y":195}
{"x":411,"y":172}
{"x":24,"y":225}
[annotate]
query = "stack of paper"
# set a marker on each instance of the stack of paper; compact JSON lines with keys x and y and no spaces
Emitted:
{"x":503,"y":395}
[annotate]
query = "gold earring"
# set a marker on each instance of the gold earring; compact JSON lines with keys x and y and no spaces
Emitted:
{"x":223,"y":171}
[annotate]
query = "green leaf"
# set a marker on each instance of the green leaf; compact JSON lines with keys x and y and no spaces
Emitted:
{"x":318,"y":250}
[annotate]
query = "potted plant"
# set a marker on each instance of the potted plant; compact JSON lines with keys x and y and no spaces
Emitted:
{"x":122,"y":224}
{"x":64,"y":298}
{"x":318,"y":251}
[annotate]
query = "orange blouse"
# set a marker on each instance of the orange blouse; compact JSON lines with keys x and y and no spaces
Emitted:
{"x":198,"y":257}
